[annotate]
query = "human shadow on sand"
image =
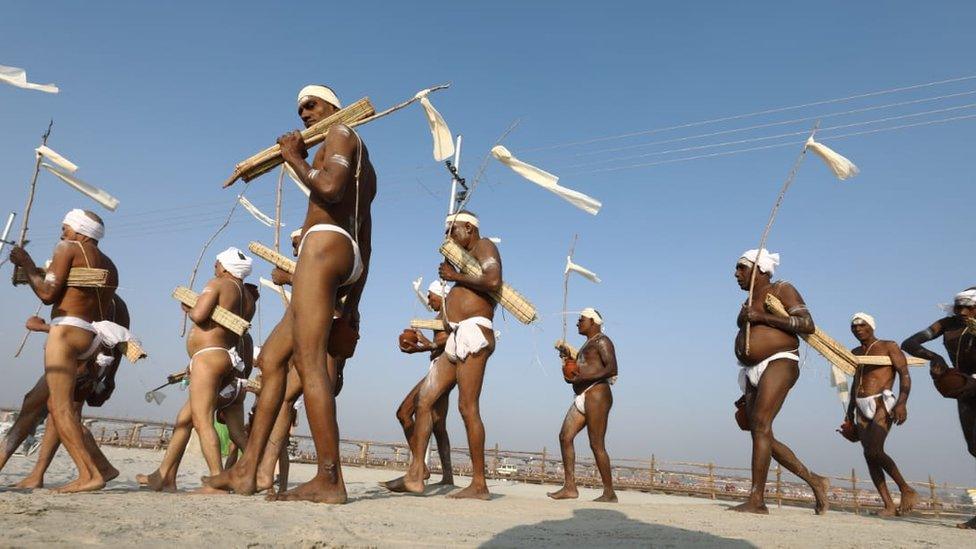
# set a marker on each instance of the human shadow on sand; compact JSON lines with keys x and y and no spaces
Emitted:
{"x":606,"y":527}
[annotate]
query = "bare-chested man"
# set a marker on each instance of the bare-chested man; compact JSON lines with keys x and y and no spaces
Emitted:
{"x":469,"y":310}
{"x":333,"y":259}
{"x":768,"y":372}
{"x":597,"y":361}
{"x":72,"y":338}
{"x":94,"y":384}
{"x":959,"y":339}
{"x":215,"y":359}
{"x":406,"y":412}
{"x":878,"y":408}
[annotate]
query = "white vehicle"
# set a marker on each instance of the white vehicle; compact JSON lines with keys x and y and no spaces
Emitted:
{"x":507,"y":470}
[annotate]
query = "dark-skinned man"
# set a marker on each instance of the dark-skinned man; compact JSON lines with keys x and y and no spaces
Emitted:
{"x":959,"y":339}
{"x":72,"y":338}
{"x":877,"y":408}
{"x":597,"y":362}
{"x":469,"y":310}
{"x":333,"y":259}
{"x":767,"y":373}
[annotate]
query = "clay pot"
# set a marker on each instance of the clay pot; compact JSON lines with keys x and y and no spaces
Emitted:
{"x":848,"y":431}
{"x":408,"y":338}
{"x":952,"y":382}
{"x":342,"y":339}
{"x":570,"y":369}
{"x":741,"y":418}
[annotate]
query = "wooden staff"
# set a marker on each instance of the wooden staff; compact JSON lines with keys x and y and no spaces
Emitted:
{"x":572,"y":249}
{"x":27,"y":334}
{"x":769,"y":225}
{"x":277,"y":227}
{"x":30,"y":198}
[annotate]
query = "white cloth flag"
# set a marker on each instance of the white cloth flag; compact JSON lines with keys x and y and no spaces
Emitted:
{"x":98,"y":195}
{"x":443,"y":141}
{"x":841,"y":166}
{"x":580,"y":270}
{"x":52,"y":155}
{"x":546,"y":180}
{"x":258,"y":214}
{"x":838,"y":380}
{"x":16,"y":76}
{"x":417,"y":284}
{"x":271,"y":285}
{"x":294,"y":177}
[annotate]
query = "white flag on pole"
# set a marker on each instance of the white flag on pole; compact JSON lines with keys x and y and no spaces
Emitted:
{"x":546,"y":180}
{"x":254,"y":211}
{"x":580,"y":270}
{"x":96,"y":194}
{"x":16,"y":76}
{"x":443,"y":142}
{"x":840,"y":165}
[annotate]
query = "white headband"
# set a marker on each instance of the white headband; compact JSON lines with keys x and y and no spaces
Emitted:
{"x":439,"y":288}
{"x":235,"y":262}
{"x":296,"y":233}
{"x":322,"y":93}
{"x":461,"y":218}
{"x":767,"y":261}
{"x":79,"y":221}
{"x":591,"y":314}
{"x":868,"y":319}
{"x":965,"y":297}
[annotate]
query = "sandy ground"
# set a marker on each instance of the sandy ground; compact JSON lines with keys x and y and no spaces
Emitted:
{"x":518,"y":515}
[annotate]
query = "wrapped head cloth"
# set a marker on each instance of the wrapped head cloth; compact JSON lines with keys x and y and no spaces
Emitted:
{"x":865,"y":318}
{"x":322,"y":92}
{"x":80,"y":223}
{"x":235,"y":262}
{"x":439,"y":288}
{"x":767,"y":261}
{"x":593,"y":315}
{"x":966,"y":298}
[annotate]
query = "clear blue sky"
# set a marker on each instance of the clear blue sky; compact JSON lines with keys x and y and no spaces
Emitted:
{"x":159,"y":101}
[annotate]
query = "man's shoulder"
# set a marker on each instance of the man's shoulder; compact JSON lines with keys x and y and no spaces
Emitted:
{"x":485,"y":245}
{"x":341,"y":133}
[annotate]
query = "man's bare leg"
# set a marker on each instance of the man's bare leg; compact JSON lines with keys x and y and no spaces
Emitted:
{"x":763,"y":404}
{"x":273,"y":362}
{"x":105,"y":467}
{"x":64,"y":344}
{"x":967,"y":420}
{"x":443,"y":440}
{"x":31,"y":412}
{"x":280,"y":432}
{"x":163,"y":479}
{"x":405,"y":415}
{"x":50,"y":443}
{"x":572,"y":425}
{"x":470,"y":376}
{"x":599,"y":400}
{"x":439,"y":380}
{"x":208,"y":372}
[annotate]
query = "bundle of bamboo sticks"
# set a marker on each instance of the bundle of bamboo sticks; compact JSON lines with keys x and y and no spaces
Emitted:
{"x":434,"y":324}
{"x":134,"y":351}
{"x":220,"y":315}
{"x":267,"y":159}
{"x":507,"y":297}
{"x":253,"y":385}
{"x":78,"y":277}
{"x":284,"y":263}
{"x":831,"y":349}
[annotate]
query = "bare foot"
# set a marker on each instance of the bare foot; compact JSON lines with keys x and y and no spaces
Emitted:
{"x":109,"y":473}
{"x":263,"y":482}
{"x":610,"y":497}
{"x":968,"y":525}
{"x":30,"y":483}
{"x":750,"y":507}
{"x":909,"y":498}
{"x":234,"y":480}
{"x":208,"y":491}
{"x":564,"y":493}
{"x":318,"y":490}
{"x":403,"y":486}
{"x":888,"y":511}
{"x":143,"y":480}
{"x":426,"y":473}
{"x":820,"y":487}
{"x":156,"y":482}
{"x":471,"y":492}
{"x":446,"y":481}
{"x":92,"y":484}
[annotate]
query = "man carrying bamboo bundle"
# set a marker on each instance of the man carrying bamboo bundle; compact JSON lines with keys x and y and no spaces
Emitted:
{"x":878,"y":408}
{"x":215,"y":351}
{"x":94,"y":384}
{"x":416,"y":342}
{"x":333,"y":258}
{"x":959,"y":338}
{"x":72,"y":338}
{"x":768,"y":371}
{"x":596,"y":371}
{"x":469,"y":311}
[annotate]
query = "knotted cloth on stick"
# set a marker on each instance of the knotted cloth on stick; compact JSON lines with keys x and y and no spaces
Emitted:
{"x":443,"y":142}
{"x":546,"y":180}
{"x":16,"y":76}
{"x":108,"y":201}
{"x":841,"y":166}
{"x":580,"y":270}
{"x":272,"y":286}
{"x":416,"y":284}
{"x":52,"y":155}
{"x":255,"y":212}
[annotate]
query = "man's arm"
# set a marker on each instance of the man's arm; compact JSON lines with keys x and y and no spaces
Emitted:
{"x":608,"y":362}
{"x":206,"y":303}
{"x":900,"y":364}
{"x":799,"y":321}
{"x":49,"y":287}
{"x":280,"y":277}
{"x":490,"y":280}
{"x":328,"y":183}
{"x":913,"y":346}
{"x":37,"y":324}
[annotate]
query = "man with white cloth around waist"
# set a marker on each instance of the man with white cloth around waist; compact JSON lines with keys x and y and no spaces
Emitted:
{"x":768,"y":372}
{"x":877,"y":408}
{"x":597,"y":370}
{"x":72,"y":338}
{"x":469,"y":310}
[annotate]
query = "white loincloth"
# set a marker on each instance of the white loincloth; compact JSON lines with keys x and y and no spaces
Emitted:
{"x":236,"y":362}
{"x":580,"y":400}
{"x":869,"y":405}
{"x":752,"y":374}
{"x":230,"y":392}
{"x":107,"y":333}
{"x":466,"y":338}
{"x":84,"y":325}
{"x":357,"y":267}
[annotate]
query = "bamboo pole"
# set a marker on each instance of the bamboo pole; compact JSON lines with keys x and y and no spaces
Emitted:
{"x":33,"y":186}
{"x":711,"y":480}
{"x":857,"y":501}
{"x":779,"y":485}
{"x":27,"y":334}
{"x":769,"y":225}
{"x":277,"y":227}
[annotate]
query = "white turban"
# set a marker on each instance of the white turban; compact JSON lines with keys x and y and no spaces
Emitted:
{"x":79,"y":221}
{"x":297,"y":233}
{"x":439,"y":288}
{"x":461,"y":217}
{"x":966,"y":297}
{"x":767,"y":261}
{"x":235,"y":262}
{"x":591,"y":314}
{"x":322,"y":93}
{"x":868,"y":319}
